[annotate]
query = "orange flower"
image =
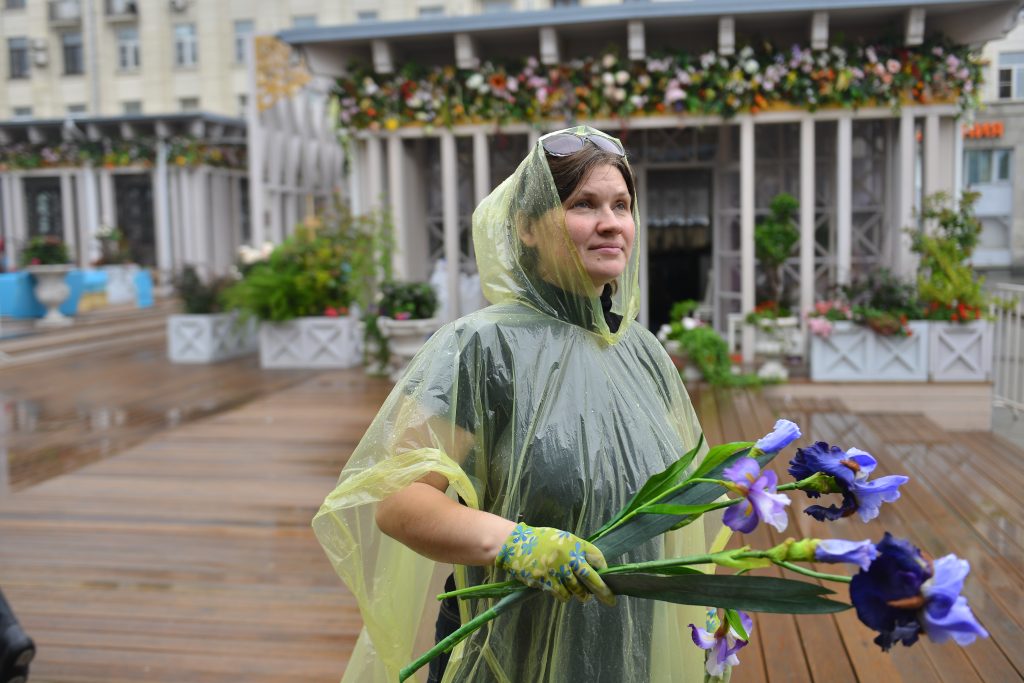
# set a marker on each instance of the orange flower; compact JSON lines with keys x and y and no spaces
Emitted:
{"x":498,"y":81}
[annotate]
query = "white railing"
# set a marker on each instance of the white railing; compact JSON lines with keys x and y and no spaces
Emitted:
{"x":1008,"y":347}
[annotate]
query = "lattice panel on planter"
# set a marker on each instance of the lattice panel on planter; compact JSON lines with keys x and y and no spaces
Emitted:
{"x":319,"y":342}
{"x":853,"y":353}
{"x":961,"y":352}
{"x":208,"y":338}
{"x":842,"y":356}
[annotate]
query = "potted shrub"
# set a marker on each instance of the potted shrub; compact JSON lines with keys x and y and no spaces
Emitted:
{"x":405,"y":320}
{"x":115,"y":261}
{"x":873,"y":334}
{"x":960,"y":337}
{"x":304,"y":291}
{"x":777,"y":332}
{"x":206,"y":332}
{"x":46,"y":258}
{"x":697,"y":350}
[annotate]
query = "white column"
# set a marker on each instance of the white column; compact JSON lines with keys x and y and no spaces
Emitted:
{"x":90,"y":193}
{"x":401,"y":258}
{"x":200,"y":223}
{"x":108,"y":209}
{"x":356,"y":160}
{"x":8,"y":190}
{"x":68,"y":213}
{"x":481,"y":167}
{"x":932,"y":156}
{"x":450,"y":209}
{"x":374,"y":173}
{"x":905,"y":179}
{"x":747,"y":263}
{"x":807,"y":202}
{"x":257,"y":142}
{"x":844,"y":198}
{"x":275,"y":232}
{"x":186,"y":214}
{"x":958,"y":162}
{"x":162,"y":212}
{"x":234,"y":215}
{"x":177,"y":222}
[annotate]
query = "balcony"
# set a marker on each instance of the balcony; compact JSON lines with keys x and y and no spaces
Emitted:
{"x":121,"y":11}
{"x":65,"y":13}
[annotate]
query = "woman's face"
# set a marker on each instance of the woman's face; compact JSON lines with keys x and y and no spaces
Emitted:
{"x":599,"y":218}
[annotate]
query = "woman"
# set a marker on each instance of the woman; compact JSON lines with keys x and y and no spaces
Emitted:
{"x":543,"y":414}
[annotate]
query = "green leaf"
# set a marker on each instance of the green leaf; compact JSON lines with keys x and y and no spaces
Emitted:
{"x":655,"y":486}
{"x":719,"y":454}
{"x":747,"y":593}
{"x":681,"y":510}
{"x":733,"y":617}
{"x":666,"y":571}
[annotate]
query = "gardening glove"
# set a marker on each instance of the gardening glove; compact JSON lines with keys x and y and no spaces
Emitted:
{"x":554,"y":561}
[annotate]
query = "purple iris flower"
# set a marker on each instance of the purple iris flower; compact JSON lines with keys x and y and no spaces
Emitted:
{"x":724,"y":643}
{"x":850,"y":469}
{"x":946,"y":614}
{"x":762,"y":501}
{"x":860,"y":553}
{"x":902,"y":594}
{"x":784,"y":433}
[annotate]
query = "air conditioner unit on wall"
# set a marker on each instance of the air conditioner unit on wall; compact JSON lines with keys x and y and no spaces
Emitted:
{"x":40,"y":51}
{"x":179,"y":5}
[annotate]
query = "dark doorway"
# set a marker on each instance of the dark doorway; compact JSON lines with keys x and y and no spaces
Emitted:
{"x":45,"y":214}
{"x":134,"y":199}
{"x":679,"y":233}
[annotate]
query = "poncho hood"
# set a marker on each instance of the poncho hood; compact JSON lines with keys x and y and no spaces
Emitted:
{"x":528,"y":200}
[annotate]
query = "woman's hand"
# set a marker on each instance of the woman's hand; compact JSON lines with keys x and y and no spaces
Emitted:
{"x":554,"y":561}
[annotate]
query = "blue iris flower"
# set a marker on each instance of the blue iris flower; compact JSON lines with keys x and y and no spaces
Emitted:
{"x":850,"y":469}
{"x":903,"y":595}
{"x":724,"y":643}
{"x":833,"y":550}
{"x":784,"y":433}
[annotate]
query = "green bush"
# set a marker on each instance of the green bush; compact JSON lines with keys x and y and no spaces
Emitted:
{"x":323,"y":268}
{"x":407,"y":300}
{"x":199,"y":296}
{"x":45,"y":250}
{"x":705,"y":348}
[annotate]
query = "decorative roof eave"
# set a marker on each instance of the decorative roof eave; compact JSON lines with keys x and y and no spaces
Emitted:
{"x":212,"y":127}
{"x":966,"y":21}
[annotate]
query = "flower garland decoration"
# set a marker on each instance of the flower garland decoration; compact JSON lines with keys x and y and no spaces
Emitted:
{"x":142,"y":152}
{"x":755,"y":78}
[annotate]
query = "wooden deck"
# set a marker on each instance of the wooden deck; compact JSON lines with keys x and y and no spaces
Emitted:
{"x":188,"y":557}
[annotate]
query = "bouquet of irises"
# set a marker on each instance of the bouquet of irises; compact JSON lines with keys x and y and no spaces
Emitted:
{"x":898,"y":591}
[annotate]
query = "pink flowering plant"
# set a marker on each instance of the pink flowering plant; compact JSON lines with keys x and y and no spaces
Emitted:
{"x":897,"y":591}
{"x":752,"y":79}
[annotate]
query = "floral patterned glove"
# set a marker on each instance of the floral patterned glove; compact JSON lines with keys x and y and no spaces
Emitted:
{"x":554,"y":561}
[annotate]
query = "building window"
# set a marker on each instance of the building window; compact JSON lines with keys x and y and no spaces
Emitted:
{"x":188,"y":104}
{"x":14,"y":4}
{"x":987,"y":166}
{"x":304,"y":21}
{"x":72,"y":46}
{"x":128,"y":48}
{"x":17,"y":57}
{"x":186,"y":47}
{"x":243,"y":31}
{"x":22,"y":112}
{"x":1011,"y":76}
{"x":243,"y":105}
{"x":366,"y":15}
{"x":76,"y":110}
{"x":565,"y":3}
{"x":432,"y":11}
{"x":489,"y":6}
{"x":132,"y":107}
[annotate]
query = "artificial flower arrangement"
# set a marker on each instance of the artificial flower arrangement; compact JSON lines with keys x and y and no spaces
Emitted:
{"x":756,"y":77}
{"x":898,"y":591}
{"x":110,"y":153}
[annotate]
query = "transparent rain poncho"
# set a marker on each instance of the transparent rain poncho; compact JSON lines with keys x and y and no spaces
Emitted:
{"x":535,"y":410}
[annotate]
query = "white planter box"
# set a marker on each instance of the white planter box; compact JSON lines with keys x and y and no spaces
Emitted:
{"x":319,"y":342}
{"x":121,"y":283}
{"x":209,"y":338}
{"x":960,"y":352}
{"x":853,"y":353}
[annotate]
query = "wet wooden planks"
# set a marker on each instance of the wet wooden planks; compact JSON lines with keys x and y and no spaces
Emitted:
{"x":190,"y":557}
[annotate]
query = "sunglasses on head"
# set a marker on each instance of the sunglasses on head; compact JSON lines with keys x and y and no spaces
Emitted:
{"x":567,"y":144}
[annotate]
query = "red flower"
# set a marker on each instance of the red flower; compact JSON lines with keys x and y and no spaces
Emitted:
{"x":331,"y":312}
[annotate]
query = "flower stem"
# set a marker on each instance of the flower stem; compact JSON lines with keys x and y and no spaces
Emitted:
{"x":810,"y":572}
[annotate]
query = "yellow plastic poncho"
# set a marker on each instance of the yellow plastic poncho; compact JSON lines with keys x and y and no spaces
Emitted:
{"x":535,"y":410}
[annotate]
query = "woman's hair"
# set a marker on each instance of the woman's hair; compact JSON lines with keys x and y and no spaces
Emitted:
{"x":569,"y":172}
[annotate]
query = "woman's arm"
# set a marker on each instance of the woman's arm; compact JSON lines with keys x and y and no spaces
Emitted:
{"x":423,"y":518}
